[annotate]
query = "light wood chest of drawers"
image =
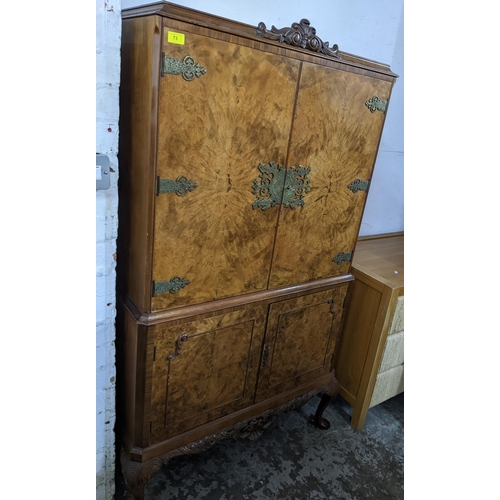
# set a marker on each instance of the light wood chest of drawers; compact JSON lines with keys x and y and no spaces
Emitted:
{"x":370,"y":361}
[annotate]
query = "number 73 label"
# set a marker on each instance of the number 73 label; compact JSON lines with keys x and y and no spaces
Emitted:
{"x":174,"y":37}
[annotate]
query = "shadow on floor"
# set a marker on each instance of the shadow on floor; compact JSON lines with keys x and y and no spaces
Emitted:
{"x":293,"y":460}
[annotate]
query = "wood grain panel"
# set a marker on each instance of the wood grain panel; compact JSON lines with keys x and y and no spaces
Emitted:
{"x":213,"y":373}
{"x":301,"y":337}
{"x":382,"y":259}
{"x":134,"y":348}
{"x":336,"y":135}
{"x":137,"y":157}
{"x":368,"y":319}
{"x":356,"y":335}
{"x":216,"y":130}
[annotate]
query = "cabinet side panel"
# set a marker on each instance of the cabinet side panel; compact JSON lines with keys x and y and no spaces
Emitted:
{"x":132,"y":389}
{"x":356,"y":335}
{"x":137,"y":155}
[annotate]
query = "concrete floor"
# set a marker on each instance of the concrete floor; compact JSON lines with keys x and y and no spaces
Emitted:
{"x":293,"y":460}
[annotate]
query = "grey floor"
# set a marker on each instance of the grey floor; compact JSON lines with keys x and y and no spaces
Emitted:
{"x":293,"y":460}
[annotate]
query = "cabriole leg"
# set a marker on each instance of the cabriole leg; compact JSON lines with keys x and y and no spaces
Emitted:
{"x":327,"y":396}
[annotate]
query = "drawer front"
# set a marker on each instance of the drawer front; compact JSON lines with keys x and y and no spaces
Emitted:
{"x":300,"y":340}
{"x":204,"y":369}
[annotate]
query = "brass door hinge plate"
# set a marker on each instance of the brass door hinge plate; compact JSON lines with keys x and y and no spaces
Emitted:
{"x":188,"y":68}
{"x":172,"y":286}
{"x":181,"y":186}
{"x":359,"y":185}
{"x":342,"y":257}
{"x":376,"y":104}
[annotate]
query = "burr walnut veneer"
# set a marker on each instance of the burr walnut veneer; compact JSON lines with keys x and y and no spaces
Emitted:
{"x":245,"y":158}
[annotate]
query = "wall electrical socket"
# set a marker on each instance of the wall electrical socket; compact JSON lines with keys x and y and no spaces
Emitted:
{"x":102,"y":176}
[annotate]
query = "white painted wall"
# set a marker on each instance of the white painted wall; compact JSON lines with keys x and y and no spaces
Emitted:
{"x":369,"y":29}
{"x":108,"y":39}
{"x":374,"y":30}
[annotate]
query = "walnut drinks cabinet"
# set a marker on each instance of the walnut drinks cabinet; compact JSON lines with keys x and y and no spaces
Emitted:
{"x":245,"y":157}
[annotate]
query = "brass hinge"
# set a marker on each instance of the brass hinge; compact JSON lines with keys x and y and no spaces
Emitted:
{"x":181,"y":186}
{"x":358,"y":185}
{"x":376,"y":104}
{"x":172,"y":286}
{"x":187,"y":67}
{"x":342,"y":257}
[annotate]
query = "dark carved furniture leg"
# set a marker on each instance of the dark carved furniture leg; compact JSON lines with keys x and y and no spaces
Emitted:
{"x":136,"y":474}
{"x":331,"y":392}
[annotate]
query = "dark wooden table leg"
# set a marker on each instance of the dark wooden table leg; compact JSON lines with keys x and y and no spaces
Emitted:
{"x":327,"y":396}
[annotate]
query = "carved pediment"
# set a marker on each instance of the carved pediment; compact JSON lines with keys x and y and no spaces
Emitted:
{"x":301,"y":35}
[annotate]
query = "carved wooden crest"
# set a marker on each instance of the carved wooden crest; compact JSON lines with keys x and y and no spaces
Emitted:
{"x":299,"y":35}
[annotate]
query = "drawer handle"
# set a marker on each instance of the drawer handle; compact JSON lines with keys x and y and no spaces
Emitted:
{"x":182,"y":338}
{"x":332,"y":310}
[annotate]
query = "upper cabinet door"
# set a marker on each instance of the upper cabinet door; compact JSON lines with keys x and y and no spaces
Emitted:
{"x":224,"y":109}
{"x":335,"y":137}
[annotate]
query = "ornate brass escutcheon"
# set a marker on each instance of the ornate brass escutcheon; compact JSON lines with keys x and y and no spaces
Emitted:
{"x":376,"y":104}
{"x":358,"y":185}
{"x":342,"y":257}
{"x":180,"y":186}
{"x":277,"y":185}
{"x":296,"y":186}
{"x":269,"y":186}
{"x":172,"y":286}
{"x":187,"y":67}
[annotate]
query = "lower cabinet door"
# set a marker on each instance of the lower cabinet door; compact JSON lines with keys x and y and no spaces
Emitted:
{"x":300,"y":340}
{"x":204,"y":369}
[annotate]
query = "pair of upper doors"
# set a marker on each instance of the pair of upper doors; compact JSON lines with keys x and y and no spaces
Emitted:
{"x":237,"y":115}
